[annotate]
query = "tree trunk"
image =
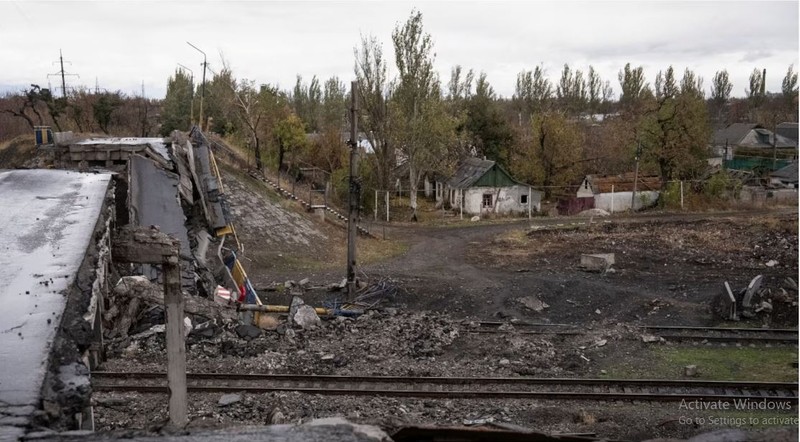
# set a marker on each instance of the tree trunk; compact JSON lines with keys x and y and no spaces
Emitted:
{"x":280,"y":155}
{"x":412,"y":197}
{"x":257,"y":152}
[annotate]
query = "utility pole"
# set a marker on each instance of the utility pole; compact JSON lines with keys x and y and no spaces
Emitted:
{"x":774,"y":143}
{"x":636,"y":175}
{"x":203,"y":87}
{"x":63,"y":74}
{"x":355,"y":190}
{"x":191,"y":117}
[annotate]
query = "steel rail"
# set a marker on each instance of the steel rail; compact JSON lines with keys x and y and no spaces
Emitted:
{"x":443,"y":386}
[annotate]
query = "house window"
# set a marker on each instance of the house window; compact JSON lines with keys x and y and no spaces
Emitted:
{"x":487,"y":200}
{"x":523,"y":199}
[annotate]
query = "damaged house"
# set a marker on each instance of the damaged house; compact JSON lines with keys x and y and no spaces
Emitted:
{"x":482,"y":187}
{"x":614,"y":193}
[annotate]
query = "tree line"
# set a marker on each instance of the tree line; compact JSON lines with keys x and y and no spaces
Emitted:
{"x":549,"y":133}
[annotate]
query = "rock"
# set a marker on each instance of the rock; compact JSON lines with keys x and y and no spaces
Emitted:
{"x":603,"y":372}
{"x":268,"y":321}
{"x":306,"y":317}
{"x":391,"y":311}
{"x":247,"y":331}
{"x":533,"y":303}
{"x":473,"y":324}
{"x":764,"y":307}
{"x":289,"y":334}
{"x":611,"y":270}
{"x":771,"y":263}
{"x":187,"y":327}
{"x":296,"y":303}
{"x":206,"y":329}
{"x":690,"y":371}
{"x":504,"y":362}
{"x":229,"y":399}
{"x":475,"y":218}
{"x":289,"y":284}
{"x":601,"y":343}
{"x":597,"y":262}
{"x":327,"y":357}
{"x":597,"y":312}
{"x":374,"y":358}
{"x":304,"y":282}
{"x":650,"y":338}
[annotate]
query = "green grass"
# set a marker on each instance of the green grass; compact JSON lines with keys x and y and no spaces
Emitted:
{"x":720,"y":363}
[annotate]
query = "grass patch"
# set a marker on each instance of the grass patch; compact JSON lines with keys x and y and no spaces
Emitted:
{"x":719,"y":363}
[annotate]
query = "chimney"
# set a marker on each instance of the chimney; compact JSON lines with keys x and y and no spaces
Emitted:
{"x":764,"y":83}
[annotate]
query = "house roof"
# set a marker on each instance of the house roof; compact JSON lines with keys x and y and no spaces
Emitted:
{"x":787,"y":173}
{"x":622,"y":183}
{"x":788,"y":130}
{"x":750,"y":135}
{"x":469,"y":171}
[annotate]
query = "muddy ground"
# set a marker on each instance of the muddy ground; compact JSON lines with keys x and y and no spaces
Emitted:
{"x":668,"y":269}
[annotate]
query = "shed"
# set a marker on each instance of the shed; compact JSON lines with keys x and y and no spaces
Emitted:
{"x":483,"y":186}
{"x":613,"y":193}
{"x":785,"y":176}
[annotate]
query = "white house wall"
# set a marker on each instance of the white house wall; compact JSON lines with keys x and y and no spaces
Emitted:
{"x":505,"y":200}
{"x":621,"y":201}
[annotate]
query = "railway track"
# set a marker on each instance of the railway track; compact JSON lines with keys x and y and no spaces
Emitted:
{"x":459,"y":387}
{"x":674,"y":333}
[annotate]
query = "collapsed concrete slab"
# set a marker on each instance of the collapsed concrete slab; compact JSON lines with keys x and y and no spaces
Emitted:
{"x":56,"y":240}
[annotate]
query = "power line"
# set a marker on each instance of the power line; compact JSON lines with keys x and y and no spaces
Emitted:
{"x":63,"y":74}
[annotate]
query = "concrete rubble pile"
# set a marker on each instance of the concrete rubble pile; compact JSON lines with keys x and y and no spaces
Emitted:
{"x":776,"y":305}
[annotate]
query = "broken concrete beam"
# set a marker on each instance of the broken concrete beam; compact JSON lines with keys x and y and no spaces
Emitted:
{"x":597,"y":262}
{"x":143,"y":245}
{"x":752,"y":289}
{"x":141,"y":287}
{"x":729,"y":303}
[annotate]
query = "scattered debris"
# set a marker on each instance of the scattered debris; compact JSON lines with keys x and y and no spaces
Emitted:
{"x":475,"y":218}
{"x":771,"y":263}
{"x":247,"y":331}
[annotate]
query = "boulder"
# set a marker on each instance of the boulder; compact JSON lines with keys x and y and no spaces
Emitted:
{"x":597,"y":262}
{"x":306,"y":317}
{"x":229,"y":399}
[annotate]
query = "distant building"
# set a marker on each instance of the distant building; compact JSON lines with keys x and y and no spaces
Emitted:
{"x":614,"y":193}
{"x":785,"y":176}
{"x":750,"y":146}
{"x":788,"y":130}
{"x":485,"y":187}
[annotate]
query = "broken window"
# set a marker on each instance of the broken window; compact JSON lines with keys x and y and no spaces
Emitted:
{"x":523,"y":199}
{"x":487,"y":200}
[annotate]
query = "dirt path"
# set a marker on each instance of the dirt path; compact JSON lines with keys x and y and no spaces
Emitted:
{"x":494,"y":270}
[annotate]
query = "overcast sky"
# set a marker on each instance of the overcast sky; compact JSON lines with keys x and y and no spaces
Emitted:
{"x":121,"y":44}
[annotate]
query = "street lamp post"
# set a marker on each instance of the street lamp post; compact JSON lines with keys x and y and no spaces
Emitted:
{"x":203,"y":88}
{"x":191,"y":118}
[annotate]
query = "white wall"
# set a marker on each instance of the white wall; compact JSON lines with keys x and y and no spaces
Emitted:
{"x":622,"y":200}
{"x":505,"y":200}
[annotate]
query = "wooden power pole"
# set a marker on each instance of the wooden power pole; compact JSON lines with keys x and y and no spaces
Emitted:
{"x":355,"y":188}
{"x":149,"y":246}
{"x":636,"y":176}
